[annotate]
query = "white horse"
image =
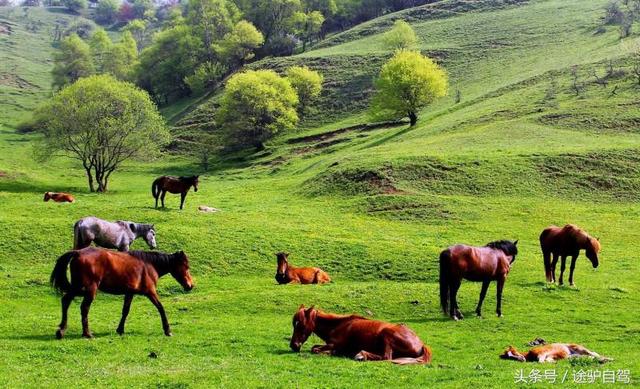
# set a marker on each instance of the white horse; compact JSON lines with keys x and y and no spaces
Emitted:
{"x":118,"y":235}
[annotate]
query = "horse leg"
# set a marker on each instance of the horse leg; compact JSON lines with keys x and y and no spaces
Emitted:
{"x":66,"y":301}
{"x":454,"y":312}
{"x":367,"y":356}
{"x":499,"y":296}
{"x":89,"y":296}
{"x":483,"y":293}
{"x":563,"y":265}
{"x":156,"y":197}
{"x":164,"y":192}
{"x":322,"y":349}
{"x":125,"y":311}
{"x":571,"y":269}
{"x":553,"y":267}
{"x":183,"y":195}
{"x":547,"y":265}
{"x":153,"y":296}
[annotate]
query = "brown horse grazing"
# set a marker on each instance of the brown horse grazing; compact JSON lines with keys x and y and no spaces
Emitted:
{"x":551,"y":353}
{"x":484,"y":264}
{"x":300,"y":275}
{"x":565,"y":241}
{"x":59,"y":197}
{"x":175,"y":185}
{"x":358,"y":337}
{"x":127,"y":273}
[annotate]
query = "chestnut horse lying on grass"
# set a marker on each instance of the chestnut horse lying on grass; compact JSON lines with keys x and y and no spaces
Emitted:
{"x":551,"y":353}
{"x":60,"y":197}
{"x":358,"y":337}
{"x":566,"y":241}
{"x":301,"y":275}
{"x":127,"y":273}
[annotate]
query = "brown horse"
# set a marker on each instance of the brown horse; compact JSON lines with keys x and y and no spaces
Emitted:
{"x":358,"y":337}
{"x":59,"y":197}
{"x":300,"y":275}
{"x":484,"y":264}
{"x":174,"y":185}
{"x":551,"y":353}
{"x":127,"y":273}
{"x":565,"y":241}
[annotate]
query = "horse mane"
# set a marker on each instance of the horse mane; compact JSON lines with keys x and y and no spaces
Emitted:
{"x":582,"y":236}
{"x":154,"y":257}
{"x":187,"y":178}
{"x":506,"y":246}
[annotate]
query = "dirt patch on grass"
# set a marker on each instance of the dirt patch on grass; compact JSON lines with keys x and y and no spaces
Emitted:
{"x":6,"y":28}
{"x":15,"y":81}
{"x":358,"y":127}
{"x":4,"y":174}
{"x":353,"y":181}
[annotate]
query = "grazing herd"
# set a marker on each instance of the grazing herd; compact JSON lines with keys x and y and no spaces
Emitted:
{"x":131,"y":273}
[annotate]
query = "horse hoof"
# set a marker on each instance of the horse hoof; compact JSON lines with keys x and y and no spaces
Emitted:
{"x":455,"y":318}
{"x":88,"y":336}
{"x":359,"y":357}
{"x":120,"y":332}
{"x":168,"y":333}
{"x":59,"y":334}
{"x":499,"y":314}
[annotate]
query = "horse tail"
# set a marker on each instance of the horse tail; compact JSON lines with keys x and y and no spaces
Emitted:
{"x":424,"y":358}
{"x":546,"y":254}
{"x":58,"y":278}
{"x":445,"y":258}
{"x":76,"y":235}
{"x":155,"y":188}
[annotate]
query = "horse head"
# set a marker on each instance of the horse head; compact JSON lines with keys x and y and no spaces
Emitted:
{"x":146,"y":231}
{"x":47,"y":196}
{"x":304,"y":322}
{"x":508,"y":247}
{"x":195,"y":181}
{"x":283,"y":265}
{"x":180,"y":270}
{"x":592,"y":250}
{"x":512,"y":353}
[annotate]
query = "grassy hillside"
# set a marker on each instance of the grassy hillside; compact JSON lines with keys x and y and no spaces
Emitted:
{"x":373,"y":207}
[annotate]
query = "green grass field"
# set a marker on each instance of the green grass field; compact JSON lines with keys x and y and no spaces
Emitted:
{"x":373,"y":208}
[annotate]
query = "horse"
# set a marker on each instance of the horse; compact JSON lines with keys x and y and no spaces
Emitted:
{"x":357,"y":337}
{"x":175,"y":185}
{"x":484,"y":264}
{"x":299,"y":275}
{"x":551,"y":353}
{"x":118,"y":235}
{"x":114,"y":272}
{"x":59,"y":197}
{"x":565,"y":241}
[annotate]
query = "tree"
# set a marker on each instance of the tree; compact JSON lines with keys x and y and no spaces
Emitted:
{"x":272,"y":18}
{"x":126,"y":12}
{"x":211,"y":20}
{"x":256,"y":105}
{"x":101,"y":122}
{"x":122,"y":58}
{"x":100,"y":45}
{"x":75,"y":5}
{"x":137,"y":28}
{"x":307,"y":84}
{"x":140,"y":7}
{"x":72,"y":61}
{"x":239,"y":45}
{"x":205,"y":76}
{"x":408,"y":82}
{"x":401,"y":36}
{"x":307,"y":26}
{"x":106,"y":11}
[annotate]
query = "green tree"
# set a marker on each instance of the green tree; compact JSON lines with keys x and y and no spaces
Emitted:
{"x":307,"y":84}
{"x":137,"y":28}
{"x":307,"y":26}
{"x":101,"y":122}
{"x":72,"y":61}
{"x":122,"y":58}
{"x":408,"y":82}
{"x":107,"y":11}
{"x":256,"y":105}
{"x":205,"y":76}
{"x":140,"y":7}
{"x":239,"y":45}
{"x":100,"y":45}
{"x":75,"y":5}
{"x":272,"y":18}
{"x":211,"y":20}
{"x":401,"y":36}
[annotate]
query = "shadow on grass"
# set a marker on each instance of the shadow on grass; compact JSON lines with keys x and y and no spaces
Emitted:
{"x":52,"y":336}
{"x":35,"y":187}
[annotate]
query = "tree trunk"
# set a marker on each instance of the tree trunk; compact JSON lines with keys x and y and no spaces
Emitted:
{"x":413,"y":118}
{"x":90,"y":179}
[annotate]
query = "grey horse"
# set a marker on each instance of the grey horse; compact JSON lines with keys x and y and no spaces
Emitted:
{"x":118,"y":235}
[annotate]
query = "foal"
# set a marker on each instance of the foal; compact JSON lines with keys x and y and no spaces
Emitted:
{"x":60,"y":197}
{"x":551,"y":353}
{"x":302,"y":275}
{"x":357,"y":337}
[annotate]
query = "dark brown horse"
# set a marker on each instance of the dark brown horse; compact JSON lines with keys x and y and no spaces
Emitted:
{"x":358,"y":337}
{"x":174,"y":185}
{"x":59,"y":197}
{"x":566,"y":241}
{"x":483,"y":264}
{"x":127,"y":273}
{"x":286,"y":273}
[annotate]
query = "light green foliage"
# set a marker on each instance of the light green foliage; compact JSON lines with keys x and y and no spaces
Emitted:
{"x":137,"y":28}
{"x":307,"y":83}
{"x":72,"y":61}
{"x":122,"y":58}
{"x":239,"y":45}
{"x":401,"y":36}
{"x":106,"y":11}
{"x":211,"y":20}
{"x":100,"y":45}
{"x":408,"y":82}
{"x":255,"y":106}
{"x":75,"y":5}
{"x":205,"y":76}
{"x":272,"y":18}
{"x":101,"y":122}
{"x":307,"y":26}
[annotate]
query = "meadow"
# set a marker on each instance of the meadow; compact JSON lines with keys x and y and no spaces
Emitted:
{"x":373,"y":208}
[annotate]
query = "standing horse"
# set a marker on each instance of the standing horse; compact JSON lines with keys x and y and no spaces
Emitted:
{"x":175,"y":185}
{"x":59,"y":197}
{"x":485,"y":264}
{"x":358,"y":337}
{"x":565,"y":241}
{"x":300,"y":275}
{"x":119,"y":235}
{"x":131,"y":273}
{"x":552,"y":353}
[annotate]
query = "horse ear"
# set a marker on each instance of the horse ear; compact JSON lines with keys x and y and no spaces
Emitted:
{"x":516,"y":242}
{"x":132,"y":226}
{"x":313,"y":313}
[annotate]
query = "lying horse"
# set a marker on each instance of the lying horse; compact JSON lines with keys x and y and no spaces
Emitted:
{"x":175,"y":185}
{"x":301,"y":275}
{"x":357,"y":337}
{"x":551,"y":353}
{"x":565,"y":241}
{"x":59,"y":197}
{"x":135,"y":272}
{"x":118,"y":235}
{"x":489,"y":263}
